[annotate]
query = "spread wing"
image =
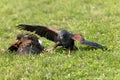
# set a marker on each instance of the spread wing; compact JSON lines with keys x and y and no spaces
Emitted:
{"x":78,"y":38}
{"x":43,"y":31}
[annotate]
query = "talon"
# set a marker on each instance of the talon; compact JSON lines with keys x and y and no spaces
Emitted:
{"x":49,"y":50}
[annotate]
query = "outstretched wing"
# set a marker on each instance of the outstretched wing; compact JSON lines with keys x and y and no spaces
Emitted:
{"x":78,"y":38}
{"x":43,"y":31}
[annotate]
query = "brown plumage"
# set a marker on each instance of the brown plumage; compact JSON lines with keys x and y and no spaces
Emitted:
{"x":60,"y":37}
{"x":26,"y":43}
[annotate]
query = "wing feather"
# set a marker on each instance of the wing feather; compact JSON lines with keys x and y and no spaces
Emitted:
{"x":77,"y":37}
{"x":43,"y":31}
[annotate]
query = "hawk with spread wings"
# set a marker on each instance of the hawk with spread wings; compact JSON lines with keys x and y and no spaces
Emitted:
{"x":60,"y":37}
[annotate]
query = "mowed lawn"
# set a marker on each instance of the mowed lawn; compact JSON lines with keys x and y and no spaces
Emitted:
{"x":96,"y":20}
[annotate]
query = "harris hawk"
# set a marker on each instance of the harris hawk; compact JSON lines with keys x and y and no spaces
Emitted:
{"x":60,"y":37}
{"x":26,"y":43}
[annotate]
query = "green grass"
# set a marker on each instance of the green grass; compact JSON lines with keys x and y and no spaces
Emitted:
{"x":96,"y":20}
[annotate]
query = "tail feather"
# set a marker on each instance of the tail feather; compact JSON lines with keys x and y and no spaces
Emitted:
{"x":93,"y":44}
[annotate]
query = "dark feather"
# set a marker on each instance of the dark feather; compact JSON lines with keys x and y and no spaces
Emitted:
{"x":14,"y":46}
{"x":43,"y":31}
{"x":79,"y":38}
{"x":26,"y":43}
{"x":93,"y":44}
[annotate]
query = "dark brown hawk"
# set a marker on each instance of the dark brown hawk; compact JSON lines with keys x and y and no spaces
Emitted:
{"x":27,"y":43}
{"x":60,"y":37}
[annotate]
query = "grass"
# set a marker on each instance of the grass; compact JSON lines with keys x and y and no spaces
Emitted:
{"x":97,"y":21}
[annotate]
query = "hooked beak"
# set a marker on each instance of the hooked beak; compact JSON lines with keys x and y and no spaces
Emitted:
{"x":61,"y":37}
